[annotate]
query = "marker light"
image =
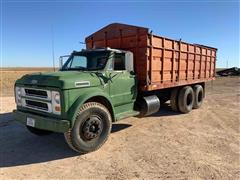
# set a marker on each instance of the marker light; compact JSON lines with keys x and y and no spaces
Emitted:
{"x":56,"y":102}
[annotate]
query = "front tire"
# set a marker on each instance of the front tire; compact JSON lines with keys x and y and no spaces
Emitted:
{"x":91,"y":129}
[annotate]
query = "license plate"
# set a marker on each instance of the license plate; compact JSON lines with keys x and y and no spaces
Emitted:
{"x":30,"y":122}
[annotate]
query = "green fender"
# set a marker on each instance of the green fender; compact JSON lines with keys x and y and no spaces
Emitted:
{"x":83,"y":98}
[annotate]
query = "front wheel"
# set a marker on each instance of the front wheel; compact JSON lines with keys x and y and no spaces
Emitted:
{"x":91,"y":129}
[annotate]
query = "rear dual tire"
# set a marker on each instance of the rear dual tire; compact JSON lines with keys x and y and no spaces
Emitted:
{"x":187,"y":98}
{"x":174,"y":99}
{"x":198,"y":96}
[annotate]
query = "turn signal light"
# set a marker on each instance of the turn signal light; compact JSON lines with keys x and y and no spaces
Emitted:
{"x":57,"y":108}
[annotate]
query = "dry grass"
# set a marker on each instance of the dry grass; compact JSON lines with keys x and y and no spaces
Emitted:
{"x":10,"y":75}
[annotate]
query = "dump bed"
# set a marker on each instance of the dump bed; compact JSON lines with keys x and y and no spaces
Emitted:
{"x":159,"y":62}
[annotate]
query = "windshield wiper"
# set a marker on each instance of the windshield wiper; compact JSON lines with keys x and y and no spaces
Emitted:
{"x":74,"y":69}
{"x":80,"y":68}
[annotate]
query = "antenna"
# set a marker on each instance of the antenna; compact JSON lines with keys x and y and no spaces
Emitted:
{"x":53,"y":54}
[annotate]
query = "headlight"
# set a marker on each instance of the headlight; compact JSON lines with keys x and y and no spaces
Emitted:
{"x":56,"y":102}
{"x":18,"y":93}
{"x":57,"y":98}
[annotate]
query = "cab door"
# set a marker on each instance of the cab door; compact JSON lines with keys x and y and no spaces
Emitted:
{"x":122,"y":83}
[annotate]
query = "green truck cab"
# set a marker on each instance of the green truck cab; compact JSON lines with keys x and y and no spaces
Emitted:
{"x":95,"y":87}
{"x":100,"y":85}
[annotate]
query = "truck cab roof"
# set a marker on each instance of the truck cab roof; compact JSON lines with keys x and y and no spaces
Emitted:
{"x":101,"y":49}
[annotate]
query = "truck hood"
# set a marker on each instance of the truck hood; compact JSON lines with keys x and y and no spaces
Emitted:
{"x":61,"y":79}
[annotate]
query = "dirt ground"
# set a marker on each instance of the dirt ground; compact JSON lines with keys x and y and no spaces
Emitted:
{"x":204,"y":144}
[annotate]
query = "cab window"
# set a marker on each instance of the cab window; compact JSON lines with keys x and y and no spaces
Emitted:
{"x":119,"y":62}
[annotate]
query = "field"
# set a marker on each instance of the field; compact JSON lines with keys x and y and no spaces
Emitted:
{"x":204,"y":144}
{"x":9,"y":75}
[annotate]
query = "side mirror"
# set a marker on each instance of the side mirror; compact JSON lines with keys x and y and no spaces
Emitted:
{"x":60,"y":62}
{"x":129,"y":61}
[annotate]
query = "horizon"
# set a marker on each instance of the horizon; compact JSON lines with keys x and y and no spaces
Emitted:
{"x":34,"y":32}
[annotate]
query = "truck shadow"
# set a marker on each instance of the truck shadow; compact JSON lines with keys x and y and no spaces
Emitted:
{"x":165,"y":110}
{"x":19,"y":147}
{"x":119,"y":127}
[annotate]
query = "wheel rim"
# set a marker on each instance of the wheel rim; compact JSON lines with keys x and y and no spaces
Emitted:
{"x":92,"y":128}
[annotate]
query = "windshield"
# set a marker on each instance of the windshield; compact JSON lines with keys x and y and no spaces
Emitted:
{"x":88,"y":61}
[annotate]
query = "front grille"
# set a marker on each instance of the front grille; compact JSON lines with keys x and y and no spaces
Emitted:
{"x":37,"y":105}
{"x":35,"y":92}
{"x":37,"y":99}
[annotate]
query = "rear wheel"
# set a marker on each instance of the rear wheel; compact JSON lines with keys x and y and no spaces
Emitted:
{"x":39,"y":132}
{"x":198,"y":96}
{"x":174,"y":99}
{"x":91,"y":128}
{"x":185,"y":99}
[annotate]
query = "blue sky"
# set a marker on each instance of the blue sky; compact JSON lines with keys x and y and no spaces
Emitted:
{"x":27,"y":38}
